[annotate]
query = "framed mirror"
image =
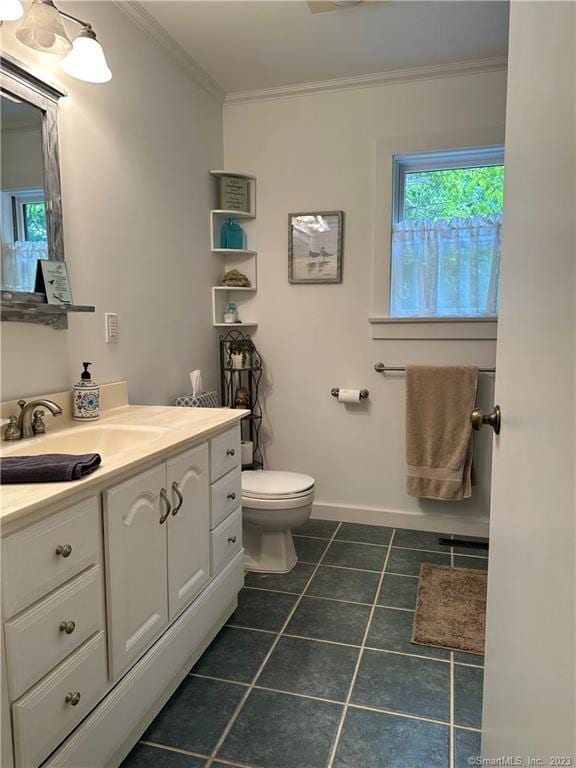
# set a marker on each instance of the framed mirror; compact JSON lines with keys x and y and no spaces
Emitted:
{"x":30,"y":196}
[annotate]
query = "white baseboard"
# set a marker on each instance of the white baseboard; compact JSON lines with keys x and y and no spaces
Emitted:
{"x":417,"y":519}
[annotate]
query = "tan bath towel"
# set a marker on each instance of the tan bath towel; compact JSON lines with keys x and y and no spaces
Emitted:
{"x":439,"y":401}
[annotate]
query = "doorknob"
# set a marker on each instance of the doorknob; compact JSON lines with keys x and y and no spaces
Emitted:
{"x":494,"y":419}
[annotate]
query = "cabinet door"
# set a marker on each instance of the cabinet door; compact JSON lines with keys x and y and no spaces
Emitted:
{"x":136,"y":566}
{"x":188,"y":527}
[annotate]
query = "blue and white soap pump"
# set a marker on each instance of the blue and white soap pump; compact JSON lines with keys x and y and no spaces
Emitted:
{"x":86,"y":397}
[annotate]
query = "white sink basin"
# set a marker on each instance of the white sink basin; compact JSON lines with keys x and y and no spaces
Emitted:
{"x":105,"y":439}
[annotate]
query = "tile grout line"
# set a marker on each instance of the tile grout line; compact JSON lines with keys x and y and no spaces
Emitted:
{"x":367,"y":707}
{"x":346,"y":645}
{"x":168,"y":748}
{"x":338,"y":735}
{"x":260,"y":669}
{"x":385,"y":546}
{"x":333,"y":599}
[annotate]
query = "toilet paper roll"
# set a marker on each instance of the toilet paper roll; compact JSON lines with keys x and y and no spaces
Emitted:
{"x":349,"y":396}
{"x":247,"y":451}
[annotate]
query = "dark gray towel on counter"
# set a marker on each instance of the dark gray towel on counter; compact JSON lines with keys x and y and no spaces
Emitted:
{"x":47,"y":468}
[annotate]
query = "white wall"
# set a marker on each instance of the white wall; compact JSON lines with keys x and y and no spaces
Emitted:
{"x":316,"y":152}
{"x":530,"y":683}
{"x":135,"y":155}
{"x":22,"y":161}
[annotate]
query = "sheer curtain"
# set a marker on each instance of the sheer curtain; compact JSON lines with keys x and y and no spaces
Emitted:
{"x":19,"y":264}
{"x":446,"y":268}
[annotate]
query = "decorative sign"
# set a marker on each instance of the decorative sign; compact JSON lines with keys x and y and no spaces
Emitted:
{"x":234,"y":194}
{"x":52,"y":279}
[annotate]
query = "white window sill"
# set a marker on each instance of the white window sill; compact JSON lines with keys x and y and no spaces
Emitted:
{"x":479,"y":328}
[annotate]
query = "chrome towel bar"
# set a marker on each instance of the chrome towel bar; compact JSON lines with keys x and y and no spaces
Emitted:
{"x":381,"y":368}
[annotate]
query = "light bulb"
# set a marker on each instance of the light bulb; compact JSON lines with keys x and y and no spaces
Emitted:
{"x":42,"y":29}
{"x":86,"y":60}
{"x":10,"y":10}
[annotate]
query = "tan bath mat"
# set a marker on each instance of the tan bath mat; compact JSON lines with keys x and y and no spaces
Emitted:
{"x":451,"y":608}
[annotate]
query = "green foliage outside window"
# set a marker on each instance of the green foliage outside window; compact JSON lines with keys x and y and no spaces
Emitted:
{"x":35,"y":222}
{"x":458,"y":192}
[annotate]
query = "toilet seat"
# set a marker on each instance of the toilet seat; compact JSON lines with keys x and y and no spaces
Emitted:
{"x":278,"y":505}
{"x":270,"y":485}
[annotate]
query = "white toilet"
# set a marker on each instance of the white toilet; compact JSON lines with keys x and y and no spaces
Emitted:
{"x":272,"y":504}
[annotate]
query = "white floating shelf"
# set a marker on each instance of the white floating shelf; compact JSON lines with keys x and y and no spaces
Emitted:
{"x":242,"y":259}
{"x":233,"y":214}
{"x":235,"y":325}
{"x":234,"y":174}
{"x":233,"y":252}
{"x":232,"y":288}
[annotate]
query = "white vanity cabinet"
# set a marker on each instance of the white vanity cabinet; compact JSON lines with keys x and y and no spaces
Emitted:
{"x":156,"y":528}
{"x":188,"y":528}
{"x":108,"y":602}
{"x":136,"y":550}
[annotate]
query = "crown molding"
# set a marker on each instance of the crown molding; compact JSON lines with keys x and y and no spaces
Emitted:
{"x":140,"y":16}
{"x":470,"y":67}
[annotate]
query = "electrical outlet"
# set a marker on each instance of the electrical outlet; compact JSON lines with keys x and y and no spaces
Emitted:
{"x":111,"y":320}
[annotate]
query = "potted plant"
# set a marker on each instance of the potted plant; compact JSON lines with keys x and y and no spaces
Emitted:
{"x":241,"y":353}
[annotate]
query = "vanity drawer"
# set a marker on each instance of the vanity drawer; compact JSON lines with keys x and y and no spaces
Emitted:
{"x":43,"y":718}
{"x":40,"y":558}
{"x":224,"y":453}
{"x":226,"y":494}
{"x":225,"y":541}
{"x":36,"y":641}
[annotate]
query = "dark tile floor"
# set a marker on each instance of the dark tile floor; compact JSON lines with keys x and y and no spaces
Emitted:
{"x":315,"y":669}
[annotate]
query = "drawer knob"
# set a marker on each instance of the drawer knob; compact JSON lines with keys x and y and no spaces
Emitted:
{"x":230,"y":452}
{"x":232,"y":496}
{"x":68,"y":627}
{"x":232,"y":539}
{"x":73,"y":698}
{"x":64,"y":550}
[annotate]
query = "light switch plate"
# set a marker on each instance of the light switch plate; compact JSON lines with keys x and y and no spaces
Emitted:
{"x":111,"y":321}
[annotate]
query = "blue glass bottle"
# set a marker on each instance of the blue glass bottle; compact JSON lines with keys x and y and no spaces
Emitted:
{"x":232,"y":235}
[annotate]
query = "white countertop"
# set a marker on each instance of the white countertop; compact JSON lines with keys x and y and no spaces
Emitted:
{"x":173,"y":429}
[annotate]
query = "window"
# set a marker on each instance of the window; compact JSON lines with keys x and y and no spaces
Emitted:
{"x":447,"y":217}
{"x":29,"y":215}
{"x":24,"y":236}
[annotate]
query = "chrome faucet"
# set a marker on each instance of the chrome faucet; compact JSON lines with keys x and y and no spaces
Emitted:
{"x":29,"y":423}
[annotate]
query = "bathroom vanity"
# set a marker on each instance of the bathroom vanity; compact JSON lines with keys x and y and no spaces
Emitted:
{"x":113,"y":586}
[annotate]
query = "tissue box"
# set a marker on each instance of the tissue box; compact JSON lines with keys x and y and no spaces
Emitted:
{"x":203,"y":400}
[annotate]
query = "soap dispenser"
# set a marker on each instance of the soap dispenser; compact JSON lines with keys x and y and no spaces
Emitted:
{"x":86,"y":397}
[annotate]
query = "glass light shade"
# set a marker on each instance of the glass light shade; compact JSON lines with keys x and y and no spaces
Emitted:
{"x":86,"y":60}
{"x":42,"y":29}
{"x":10,"y":10}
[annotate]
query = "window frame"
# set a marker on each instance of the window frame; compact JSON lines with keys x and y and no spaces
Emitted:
{"x":385,"y":150}
{"x":19,"y":201}
{"x":13,"y":202}
{"x":442,"y":160}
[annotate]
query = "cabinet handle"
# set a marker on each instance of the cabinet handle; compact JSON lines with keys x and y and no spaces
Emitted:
{"x":165,"y":499}
{"x":68,"y":627}
{"x":231,"y":452}
{"x":232,"y":539}
{"x":232,"y":496}
{"x":179,"y":496}
{"x":73,"y":698}
{"x":64,"y":550}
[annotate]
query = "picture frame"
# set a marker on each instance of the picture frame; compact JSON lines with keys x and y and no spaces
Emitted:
{"x":315,"y":247}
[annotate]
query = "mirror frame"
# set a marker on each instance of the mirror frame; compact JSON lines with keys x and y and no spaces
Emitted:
{"x":16,"y":79}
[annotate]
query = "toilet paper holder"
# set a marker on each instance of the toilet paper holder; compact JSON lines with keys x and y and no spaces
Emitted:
{"x":364,"y":394}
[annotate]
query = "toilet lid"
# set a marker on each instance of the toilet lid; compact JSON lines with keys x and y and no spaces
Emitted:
{"x":267,"y":484}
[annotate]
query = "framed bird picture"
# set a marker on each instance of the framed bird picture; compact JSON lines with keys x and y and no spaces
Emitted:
{"x":315,"y":244}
